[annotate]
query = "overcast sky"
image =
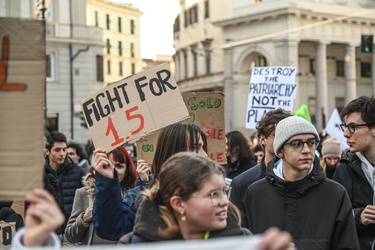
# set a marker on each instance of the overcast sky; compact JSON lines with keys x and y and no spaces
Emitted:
{"x":156,"y":27}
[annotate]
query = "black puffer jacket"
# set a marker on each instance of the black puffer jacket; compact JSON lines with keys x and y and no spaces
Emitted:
{"x":316,"y":211}
{"x":349,"y":174}
{"x":148,"y":222}
{"x":69,"y":178}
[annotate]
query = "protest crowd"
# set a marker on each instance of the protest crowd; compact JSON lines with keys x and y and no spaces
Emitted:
{"x":299,"y":196}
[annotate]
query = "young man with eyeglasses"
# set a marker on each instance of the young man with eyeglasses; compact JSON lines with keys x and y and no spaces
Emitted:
{"x":356,"y":172}
{"x":266,"y":133}
{"x":296,"y":196}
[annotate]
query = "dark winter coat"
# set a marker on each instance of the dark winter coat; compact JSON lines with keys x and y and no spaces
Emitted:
{"x":149,"y":221}
{"x":243,"y":181}
{"x":350,"y":174}
{"x":316,"y":211}
{"x":7,"y":214}
{"x":235,"y":168}
{"x":69,"y":178}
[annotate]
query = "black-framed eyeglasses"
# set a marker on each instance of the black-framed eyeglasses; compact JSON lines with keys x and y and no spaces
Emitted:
{"x":298,"y":144}
{"x":352,"y":127}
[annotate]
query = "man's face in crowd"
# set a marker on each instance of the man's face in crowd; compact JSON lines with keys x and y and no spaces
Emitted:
{"x":57,"y":154}
{"x":362,"y":138}
{"x":73,"y":155}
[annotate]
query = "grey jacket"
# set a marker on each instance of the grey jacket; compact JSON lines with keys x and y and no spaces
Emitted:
{"x":76,"y":231}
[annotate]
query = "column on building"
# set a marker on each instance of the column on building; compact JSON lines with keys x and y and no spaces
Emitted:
{"x":228,"y":89}
{"x":373,"y":72}
{"x":350,"y":73}
{"x":287,"y":55}
{"x":184,"y":65}
{"x":287,"y":52}
{"x":176,"y":59}
{"x":321,"y":84}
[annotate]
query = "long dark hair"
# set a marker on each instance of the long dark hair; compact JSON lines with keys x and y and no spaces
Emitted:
{"x":178,"y":137}
{"x":239,"y":146}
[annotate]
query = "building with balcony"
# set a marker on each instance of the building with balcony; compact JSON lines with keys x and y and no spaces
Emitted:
{"x":120,"y":23}
{"x":216,"y":49}
{"x":73,"y":53}
{"x":74,"y":65}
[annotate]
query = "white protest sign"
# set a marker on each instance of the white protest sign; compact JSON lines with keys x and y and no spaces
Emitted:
{"x":334,"y":130}
{"x":133,"y":107}
{"x":270,"y":88}
{"x":233,"y":243}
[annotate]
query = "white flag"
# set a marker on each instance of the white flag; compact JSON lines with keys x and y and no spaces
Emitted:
{"x":334,"y":130}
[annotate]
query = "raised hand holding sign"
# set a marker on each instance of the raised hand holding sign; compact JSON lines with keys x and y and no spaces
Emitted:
{"x":133,"y":107}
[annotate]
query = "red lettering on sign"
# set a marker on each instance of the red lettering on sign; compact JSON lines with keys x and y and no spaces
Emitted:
{"x":216,"y":156}
{"x":140,"y":117}
{"x":214,"y":133}
{"x":129,"y":116}
{"x":112,"y":128}
{"x":4,"y":86}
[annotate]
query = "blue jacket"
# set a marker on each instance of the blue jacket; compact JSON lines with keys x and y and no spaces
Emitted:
{"x":112,"y":216}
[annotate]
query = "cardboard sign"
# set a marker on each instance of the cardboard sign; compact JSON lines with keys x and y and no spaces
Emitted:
{"x":146,"y":147}
{"x":205,"y":110}
{"x":22,"y":85}
{"x":7,"y":232}
{"x":270,"y":88}
{"x":133,"y":107}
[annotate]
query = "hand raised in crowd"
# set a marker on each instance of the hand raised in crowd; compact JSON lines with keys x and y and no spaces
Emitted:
{"x":368,"y":215}
{"x":143,"y":170}
{"x":87,"y":216}
{"x":274,"y":239}
{"x":42,"y":217}
{"x":102,"y":164}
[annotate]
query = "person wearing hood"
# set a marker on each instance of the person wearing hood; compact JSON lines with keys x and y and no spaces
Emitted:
{"x":80,"y":228}
{"x":296,"y":196}
{"x":64,"y":170}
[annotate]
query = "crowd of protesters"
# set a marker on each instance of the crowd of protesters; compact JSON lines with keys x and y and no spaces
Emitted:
{"x":282,"y":188}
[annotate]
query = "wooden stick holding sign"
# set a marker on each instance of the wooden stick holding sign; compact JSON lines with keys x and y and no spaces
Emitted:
{"x":133,"y":107}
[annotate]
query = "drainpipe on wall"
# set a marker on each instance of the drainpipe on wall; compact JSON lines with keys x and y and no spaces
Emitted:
{"x":72,"y":57}
{"x":71,"y":73}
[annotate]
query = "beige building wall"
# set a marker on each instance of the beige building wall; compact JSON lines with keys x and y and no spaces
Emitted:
{"x":320,"y":38}
{"x":121,"y":35}
{"x":196,"y":39}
